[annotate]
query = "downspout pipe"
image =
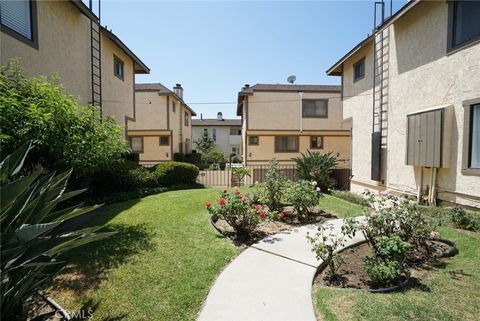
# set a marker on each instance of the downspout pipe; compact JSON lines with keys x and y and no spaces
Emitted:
{"x":300,"y":95}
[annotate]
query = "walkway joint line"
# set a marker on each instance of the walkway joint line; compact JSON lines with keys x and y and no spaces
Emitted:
{"x":283,"y":256}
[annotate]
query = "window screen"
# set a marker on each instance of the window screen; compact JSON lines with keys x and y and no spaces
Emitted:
{"x":164,"y":140}
{"x":252,"y":140}
{"x":136,"y":143}
{"x":315,"y":108}
{"x":316,"y":142}
{"x":286,"y":143}
{"x":118,"y":69}
{"x":16,"y":15}
{"x":474,"y":159}
{"x":359,"y":70}
{"x":466,"y":25}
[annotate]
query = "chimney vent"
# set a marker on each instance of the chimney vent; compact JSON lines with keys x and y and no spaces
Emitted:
{"x":178,"y":90}
{"x":201,"y":116}
{"x":219,"y":116}
{"x":246,"y":86}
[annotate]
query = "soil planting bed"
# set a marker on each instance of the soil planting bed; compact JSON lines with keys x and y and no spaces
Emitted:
{"x":267,"y":228}
{"x":352,"y":275}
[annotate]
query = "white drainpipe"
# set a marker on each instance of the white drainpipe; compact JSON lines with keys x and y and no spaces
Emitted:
{"x":300,"y":94}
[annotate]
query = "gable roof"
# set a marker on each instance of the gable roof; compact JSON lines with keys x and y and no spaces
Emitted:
{"x":216,"y":122}
{"x":140,"y":67}
{"x":162,"y":91}
{"x":248,"y":91}
{"x":336,"y":69}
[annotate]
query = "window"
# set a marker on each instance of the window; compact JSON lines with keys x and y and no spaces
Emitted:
{"x":173,"y":106}
{"x":136,"y":144}
{"x":252,"y":140}
{"x":236,"y":150}
{"x":315,"y":108}
{"x":164,"y":140}
{"x":18,"y":19}
{"x":118,"y":69}
{"x":474,"y":148}
{"x":316,"y":142}
{"x":359,"y":70}
{"x":286,"y":144}
{"x":464,"y":27}
{"x":186,"y":118}
{"x":235,"y":131}
{"x":214,"y":134}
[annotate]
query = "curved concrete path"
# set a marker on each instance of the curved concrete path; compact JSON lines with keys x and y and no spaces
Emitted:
{"x":269,"y":281}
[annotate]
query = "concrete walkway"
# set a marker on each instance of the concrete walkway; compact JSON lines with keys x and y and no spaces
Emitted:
{"x":269,"y":281}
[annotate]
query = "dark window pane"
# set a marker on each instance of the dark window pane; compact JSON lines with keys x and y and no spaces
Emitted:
{"x":253,"y":140}
{"x":164,"y":140}
{"x":16,"y":16}
{"x":315,"y":108}
{"x":466,"y":23}
{"x":359,"y":70}
{"x":286,"y":143}
{"x":475,"y":137}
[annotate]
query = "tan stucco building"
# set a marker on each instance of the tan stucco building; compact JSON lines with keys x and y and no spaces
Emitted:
{"x":65,"y":38}
{"x":282,"y":121}
{"x":162,"y":124}
{"x":412,"y":94}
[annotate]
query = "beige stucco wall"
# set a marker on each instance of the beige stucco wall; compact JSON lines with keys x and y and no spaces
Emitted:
{"x":282,"y":110}
{"x":150,"y":111}
{"x":117,"y":94}
{"x":265,"y":150}
{"x":153,"y":153}
{"x":422,"y":75}
{"x":63,"y":47}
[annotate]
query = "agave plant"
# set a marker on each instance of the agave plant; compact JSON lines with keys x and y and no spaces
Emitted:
{"x":33,"y":232}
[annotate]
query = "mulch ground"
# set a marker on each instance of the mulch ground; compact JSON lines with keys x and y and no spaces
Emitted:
{"x":352,"y":276}
{"x":270,"y":227}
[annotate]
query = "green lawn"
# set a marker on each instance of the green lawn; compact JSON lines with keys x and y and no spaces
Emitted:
{"x":448,"y":291}
{"x":159,"y":266}
{"x":338,"y":206}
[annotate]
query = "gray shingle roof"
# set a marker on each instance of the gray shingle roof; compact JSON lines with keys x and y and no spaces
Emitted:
{"x":216,"y":122}
{"x":289,"y":87}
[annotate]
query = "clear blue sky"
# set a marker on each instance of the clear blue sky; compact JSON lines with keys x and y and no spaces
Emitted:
{"x":214,"y":48}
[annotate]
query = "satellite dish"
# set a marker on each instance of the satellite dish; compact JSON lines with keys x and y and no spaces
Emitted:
{"x":291,"y":79}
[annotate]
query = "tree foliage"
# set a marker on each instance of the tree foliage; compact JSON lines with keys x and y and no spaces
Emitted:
{"x":316,"y":167}
{"x":204,"y":143}
{"x":64,"y":133}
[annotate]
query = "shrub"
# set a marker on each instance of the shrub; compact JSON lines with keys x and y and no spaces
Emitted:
{"x":324,"y":244}
{"x":122,"y":176}
{"x":193,"y":158}
{"x":316,"y":167}
{"x":303,"y":195}
{"x":388,"y":215}
{"x":272,"y":190}
{"x":240,"y":172}
{"x":65,"y":134}
{"x":214,"y":156}
{"x":33,"y":233}
{"x":239,"y":211}
{"x":171,"y":173}
{"x":462,"y":219}
{"x":388,"y":263}
{"x":351,"y":197}
{"x":178,"y":157}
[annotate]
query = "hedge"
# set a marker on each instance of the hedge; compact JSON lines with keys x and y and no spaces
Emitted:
{"x":171,"y":173}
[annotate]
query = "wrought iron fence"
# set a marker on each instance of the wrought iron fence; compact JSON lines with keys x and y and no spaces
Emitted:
{"x":223,"y":178}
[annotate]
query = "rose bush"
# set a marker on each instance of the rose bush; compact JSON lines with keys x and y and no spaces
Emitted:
{"x":241,"y":211}
{"x":303,"y":196}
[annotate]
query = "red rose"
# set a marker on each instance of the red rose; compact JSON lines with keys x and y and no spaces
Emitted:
{"x":281,"y":215}
{"x":237,"y":191}
{"x":257,"y":207}
{"x":208,"y":204}
{"x":221,"y":201}
{"x":261,"y":214}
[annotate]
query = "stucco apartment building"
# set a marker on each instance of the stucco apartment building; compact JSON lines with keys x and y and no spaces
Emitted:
{"x":281,"y":121}
{"x":65,"y":38}
{"x":412,"y":93}
{"x":226,"y":133}
{"x":163,"y":123}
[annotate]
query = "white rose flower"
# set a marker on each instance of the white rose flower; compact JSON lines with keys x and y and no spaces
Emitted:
{"x":314,"y":183}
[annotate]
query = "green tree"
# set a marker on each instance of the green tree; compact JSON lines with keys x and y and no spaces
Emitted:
{"x":204,"y":143}
{"x":64,"y":133}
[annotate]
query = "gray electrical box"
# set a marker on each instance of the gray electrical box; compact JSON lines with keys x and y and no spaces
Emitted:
{"x":426,"y":138}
